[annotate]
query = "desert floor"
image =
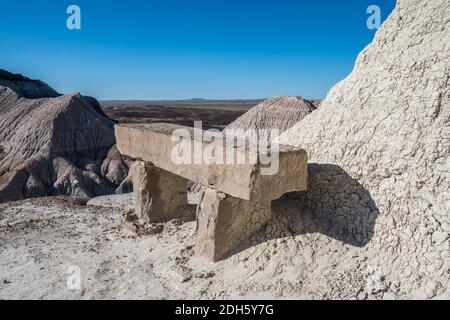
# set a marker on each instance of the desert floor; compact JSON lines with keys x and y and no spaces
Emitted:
{"x":213,"y":114}
{"x":43,"y":240}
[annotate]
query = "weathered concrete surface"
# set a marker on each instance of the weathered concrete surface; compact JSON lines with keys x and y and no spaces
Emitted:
{"x":157,"y":193}
{"x":153,"y":143}
{"x":223,"y":222}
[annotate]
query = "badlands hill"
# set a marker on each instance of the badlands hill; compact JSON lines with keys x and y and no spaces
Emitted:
{"x":379,"y":148}
{"x":52,"y":144}
{"x":275,"y":113}
{"x":25,"y":87}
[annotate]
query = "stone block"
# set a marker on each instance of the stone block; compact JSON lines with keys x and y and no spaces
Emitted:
{"x":223,"y":222}
{"x":157,"y":193}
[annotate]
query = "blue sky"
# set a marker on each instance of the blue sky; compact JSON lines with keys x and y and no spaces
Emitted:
{"x":167,"y":49}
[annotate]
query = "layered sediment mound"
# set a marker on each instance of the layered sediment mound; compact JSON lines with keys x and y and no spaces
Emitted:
{"x":116,"y":170}
{"x":25,"y":87}
{"x":280,"y":113}
{"x":52,"y":144}
{"x":379,"y":148}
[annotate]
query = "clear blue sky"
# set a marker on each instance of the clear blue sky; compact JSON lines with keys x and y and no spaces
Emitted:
{"x":176,"y":49}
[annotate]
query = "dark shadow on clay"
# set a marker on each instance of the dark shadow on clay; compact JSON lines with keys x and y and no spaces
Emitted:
{"x":335,"y":205}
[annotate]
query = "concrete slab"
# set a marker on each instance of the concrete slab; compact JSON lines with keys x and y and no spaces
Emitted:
{"x":155,"y":143}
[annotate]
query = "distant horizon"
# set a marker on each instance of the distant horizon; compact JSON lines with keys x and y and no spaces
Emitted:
{"x":196,"y":99}
{"x":156,"y":100}
{"x":182,"y":99}
{"x":169,"y":50}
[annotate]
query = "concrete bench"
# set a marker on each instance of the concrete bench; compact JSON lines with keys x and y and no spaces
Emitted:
{"x":235,"y":199}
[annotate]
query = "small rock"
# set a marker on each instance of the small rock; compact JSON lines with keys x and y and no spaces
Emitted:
{"x":177,"y":222}
{"x":431,"y":289}
{"x":205,"y":275}
{"x":440,"y":237}
{"x":153,"y":229}
{"x":184,"y":255}
{"x":123,"y":217}
{"x":184,"y":273}
{"x":361,"y":295}
{"x":131,"y":227}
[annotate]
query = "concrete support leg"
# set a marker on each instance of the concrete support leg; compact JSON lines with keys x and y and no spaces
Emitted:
{"x":223,"y":222}
{"x":157,"y":193}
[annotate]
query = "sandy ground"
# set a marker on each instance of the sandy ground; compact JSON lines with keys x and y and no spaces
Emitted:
{"x":46,"y":243}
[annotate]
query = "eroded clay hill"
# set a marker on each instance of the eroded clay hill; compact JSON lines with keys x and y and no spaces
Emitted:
{"x":280,"y":113}
{"x":26,"y":87}
{"x":379,"y":148}
{"x":52,"y":144}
